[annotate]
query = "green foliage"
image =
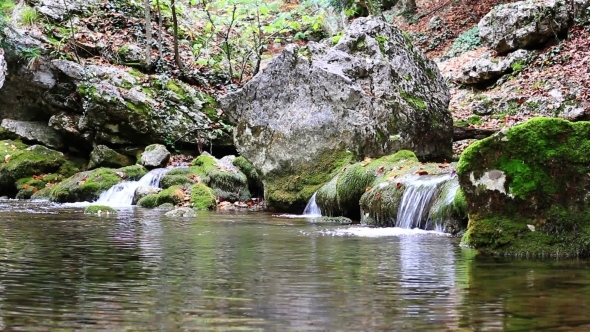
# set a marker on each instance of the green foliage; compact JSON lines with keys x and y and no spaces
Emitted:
{"x":467,"y":41}
{"x":28,"y":16}
{"x":202,"y":197}
{"x":517,"y":66}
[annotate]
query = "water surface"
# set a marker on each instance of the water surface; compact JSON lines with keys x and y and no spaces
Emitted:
{"x":61,"y":270}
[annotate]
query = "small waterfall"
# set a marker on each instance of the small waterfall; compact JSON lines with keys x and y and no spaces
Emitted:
{"x":417,"y":200}
{"x":122,"y":194}
{"x":312,"y":209}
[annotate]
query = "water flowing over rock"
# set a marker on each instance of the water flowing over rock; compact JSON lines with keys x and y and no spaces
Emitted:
{"x":36,"y":132}
{"x":312,"y":209}
{"x":155,"y":156}
{"x":123,"y":194}
{"x":524,"y":24}
{"x":373,"y":93}
{"x":527,"y":188}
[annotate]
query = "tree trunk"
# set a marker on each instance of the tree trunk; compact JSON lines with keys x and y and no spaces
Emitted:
{"x":160,"y":47}
{"x":148,"y":34}
{"x":175,"y":23}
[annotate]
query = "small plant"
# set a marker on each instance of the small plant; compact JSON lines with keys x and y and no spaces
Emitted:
{"x":517,"y":66}
{"x":467,"y":41}
{"x":28,"y":16}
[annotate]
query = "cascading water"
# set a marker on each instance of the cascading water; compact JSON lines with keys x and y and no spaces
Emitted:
{"x":122,"y":194}
{"x":417,"y":200}
{"x":311,"y":209}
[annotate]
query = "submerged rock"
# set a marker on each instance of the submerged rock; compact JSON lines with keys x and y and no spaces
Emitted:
{"x":183,"y":212}
{"x":100,"y":210}
{"x":538,"y":174}
{"x":312,"y":109}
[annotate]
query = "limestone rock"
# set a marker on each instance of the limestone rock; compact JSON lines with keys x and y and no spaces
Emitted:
{"x":103,"y":156}
{"x":132,"y":53}
{"x":486,"y":68}
{"x":59,"y":10}
{"x":536,"y":174}
{"x":371,"y":94}
{"x":184,"y":212}
{"x":523,"y":24}
{"x":154,"y":156}
{"x":36,"y":132}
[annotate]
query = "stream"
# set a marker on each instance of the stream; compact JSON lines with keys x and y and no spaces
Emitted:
{"x":61,"y":270}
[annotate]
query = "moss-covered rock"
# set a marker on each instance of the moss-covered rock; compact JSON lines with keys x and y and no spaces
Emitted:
{"x":526,"y":190}
{"x":87,"y":186}
{"x":27,"y":187}
{"x":176,"y":180}
{"x":149,"y":201}
{"x":340,"y":196}
{"x":254,"y":182}
{"x":103,"y":156}
{"x":18,"y":161}
{"x":203,"y":197}
{"x":100,"y":210}
{"x":291,"y":188}
{"x":173,"y":195}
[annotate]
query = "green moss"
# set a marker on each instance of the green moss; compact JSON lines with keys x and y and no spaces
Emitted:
{"x":413,"y":101}
{"x":149,"y":201}
{"x":202,"y":197}
{"x":173,"y":195}
{"x":139,"y":107}
{"x":290,"y":190}
{"x":133,"y":172}
{"x":546,"y":163}
{"x":254,"y":182}
{"x":100,"y":210}
{"x":381,"y":41}
{"x":176,"y":180}
{"x":460,"y":204}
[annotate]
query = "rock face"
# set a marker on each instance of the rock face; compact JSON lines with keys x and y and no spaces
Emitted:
{"x":3,"y":68}
{"x":59,"y":10}
{"x":143,"y":191}
{"x":372,"y":94}
{"x":154,"y":156}
{"x":103,"y":156}
{"x":527,"y":190}
{"x":524,"y":24}
{"x":37,"y":132}
{"x":102,"y":104}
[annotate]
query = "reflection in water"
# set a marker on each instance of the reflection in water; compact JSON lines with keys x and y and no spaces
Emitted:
{"x":139,"y":271}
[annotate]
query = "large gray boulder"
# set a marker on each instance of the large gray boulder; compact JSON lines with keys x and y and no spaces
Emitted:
{"x":526,"y":24}
{"x":37,"y":132}
{"x":154,"y":156}
{"x":59,"y":10}
{"x":312,"y":108}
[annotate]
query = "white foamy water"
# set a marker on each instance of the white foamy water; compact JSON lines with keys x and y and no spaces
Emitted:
{"x":381,"y":232}
{"x":417,"y":200}
{"x":311,"y":209}
{"x":122,"y":194}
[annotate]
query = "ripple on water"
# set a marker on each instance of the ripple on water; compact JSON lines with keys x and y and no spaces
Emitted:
{"x":380,"y":232}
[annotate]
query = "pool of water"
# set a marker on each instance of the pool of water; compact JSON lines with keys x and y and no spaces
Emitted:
{"x":61,"y":270}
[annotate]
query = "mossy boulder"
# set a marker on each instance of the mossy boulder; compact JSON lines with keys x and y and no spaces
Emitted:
{"x":29,"y":186}
{"x":100,"y":210}
{"x":103,"y":156}
{"x":87,"y":186}
{"x":17,"y":161}
{"x":254,"y":182}
{"x":526,"y":190}
{"x":226,"y":180}
{"x":173,"y":195}
{"x":149,"y":201}
{"x":155,"y":155}
{"x":203,"y":197}
{"x":340,"y":196}
{"x":373,"y":191}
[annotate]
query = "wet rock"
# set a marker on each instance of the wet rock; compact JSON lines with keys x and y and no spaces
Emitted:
{"x":535,"y":174}
{"x":523,"y":24}
{"x":143,"y":191}
{"x":100,"y":210}
{"x":372,"y":94}
{"x":35,"y":132}
{"x":87,"y":186}
{"x":202,"y":197}
{"x":103,"y":156}
{"x":181,"y":212}
{"x":155,"y":156}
